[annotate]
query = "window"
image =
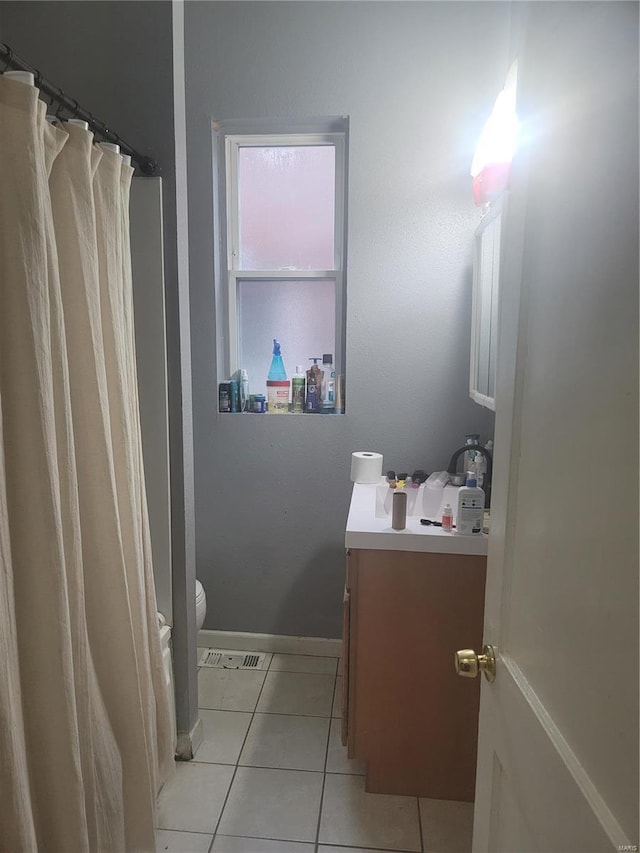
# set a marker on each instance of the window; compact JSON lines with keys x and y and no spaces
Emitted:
{"x":281,"y":261}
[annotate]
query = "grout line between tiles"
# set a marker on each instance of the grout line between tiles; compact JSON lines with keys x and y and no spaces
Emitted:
{"x":233,"y":777}
{"x":420,"y":825}
{"x":271,"y":713}
{"x":189,"y":831}
{"x":286,"y":769}
{"x":324,"y":775}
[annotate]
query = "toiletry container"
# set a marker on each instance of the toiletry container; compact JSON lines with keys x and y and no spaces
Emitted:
{"x":224,"y":397}
{"x":277,"y":383}
{"x":298,"y":382}
{"x":470,"y":507}
{"x":314,"y":387}
{"x":234,"y":394}
{"x":244,"y":391}
{"x":399,"y":510}
{"x":328,"y":397}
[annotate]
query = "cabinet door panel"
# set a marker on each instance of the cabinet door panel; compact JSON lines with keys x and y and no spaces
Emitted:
{"x":412,"y":719}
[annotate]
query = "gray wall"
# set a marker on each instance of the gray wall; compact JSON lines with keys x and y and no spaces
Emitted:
{"x":417,"y":81}
{"x":115,"y":59}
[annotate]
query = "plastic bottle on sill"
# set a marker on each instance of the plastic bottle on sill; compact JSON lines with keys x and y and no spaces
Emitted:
{"x":328,"y":401}
{"x":298,"y":381}
{"x":277,"y":383}
{"x":314,"y":387}
{"x":244,"y":391}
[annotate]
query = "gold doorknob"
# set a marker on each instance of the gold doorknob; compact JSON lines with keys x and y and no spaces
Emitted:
{"x":469,"y":664}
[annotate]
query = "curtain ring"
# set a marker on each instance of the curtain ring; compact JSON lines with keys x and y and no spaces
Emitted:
{"x":8,"y":58}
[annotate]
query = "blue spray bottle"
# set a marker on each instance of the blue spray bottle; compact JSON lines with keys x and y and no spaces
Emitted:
{"x":277,"y":383}
{"x":277,"y":373}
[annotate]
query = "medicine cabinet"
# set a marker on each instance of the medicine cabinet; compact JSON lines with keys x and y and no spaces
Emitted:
{"x":484,"y":314}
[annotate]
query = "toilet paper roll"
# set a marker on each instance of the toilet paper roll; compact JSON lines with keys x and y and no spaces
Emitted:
{"x":366,"y":467}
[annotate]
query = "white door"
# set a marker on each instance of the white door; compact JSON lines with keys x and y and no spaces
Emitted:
{"x":558,"y":735}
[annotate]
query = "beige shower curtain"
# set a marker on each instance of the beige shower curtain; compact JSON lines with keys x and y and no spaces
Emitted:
{"x":85,"y":738}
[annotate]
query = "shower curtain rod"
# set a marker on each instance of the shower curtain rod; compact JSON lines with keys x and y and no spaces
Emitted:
{"x":146,"y":164}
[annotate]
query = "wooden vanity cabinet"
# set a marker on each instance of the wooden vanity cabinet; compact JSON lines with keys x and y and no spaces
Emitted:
{"x":405,"y":711}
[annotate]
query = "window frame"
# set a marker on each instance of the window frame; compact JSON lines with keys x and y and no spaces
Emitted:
{"x":228,"y":138}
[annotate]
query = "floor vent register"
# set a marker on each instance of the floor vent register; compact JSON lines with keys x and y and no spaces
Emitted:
{"x":225,"y":659}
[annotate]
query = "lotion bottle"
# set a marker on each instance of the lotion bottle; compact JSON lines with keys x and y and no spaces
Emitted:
{"x":470,"y":507}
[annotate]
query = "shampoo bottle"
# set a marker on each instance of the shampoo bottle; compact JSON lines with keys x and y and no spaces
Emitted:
{"x":277,"y":383}
{"x":470,"y":507}
{"x":314,"y":387}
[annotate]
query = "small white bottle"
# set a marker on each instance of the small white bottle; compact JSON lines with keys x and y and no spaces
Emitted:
{"x":470,"y":507}
{"x":244,"y":390}
{"x":447,"y":518}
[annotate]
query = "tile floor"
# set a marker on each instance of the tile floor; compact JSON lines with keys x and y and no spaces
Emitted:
{"x":272,"y":776}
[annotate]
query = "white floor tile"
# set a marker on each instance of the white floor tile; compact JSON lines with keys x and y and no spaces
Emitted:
{"x":233,"y":844}
{"x":337,"y":761}
{"x":304,"y":663}
{"x":223,"y":733}
{"x":297,"y":693}
{"x":336,"y":710}
{"x":447,"y":826}
{"x":169,"y":841}
{"x":194,"y":796}
{"x":286,"y":742}
{"x":229,"y":689}
{"x":352,"y":817}
{"x":273,"y":804}
{"x":333,"y":849}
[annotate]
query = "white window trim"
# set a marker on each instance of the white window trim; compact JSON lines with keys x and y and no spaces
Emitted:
{"x":226,"y":223}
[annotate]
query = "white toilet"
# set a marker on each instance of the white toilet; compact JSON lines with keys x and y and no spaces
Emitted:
{"x":201,"y":605}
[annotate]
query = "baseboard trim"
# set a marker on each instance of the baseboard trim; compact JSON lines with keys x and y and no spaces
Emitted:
{"x":275,"y":643}
{"x":188,"y":742}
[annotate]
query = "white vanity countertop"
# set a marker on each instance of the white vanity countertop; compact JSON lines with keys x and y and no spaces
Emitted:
{"x":367,"y":528}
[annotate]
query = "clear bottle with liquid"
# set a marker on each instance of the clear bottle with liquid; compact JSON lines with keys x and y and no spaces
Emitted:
{"x":298,"y":382}
{"x":328,"y":396}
